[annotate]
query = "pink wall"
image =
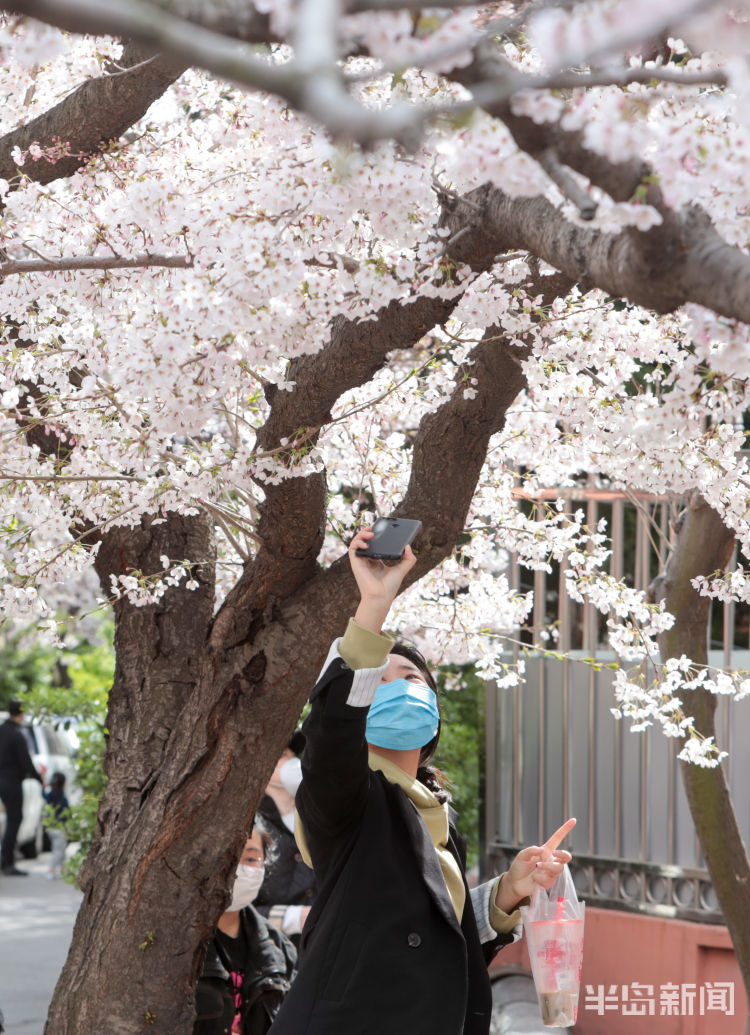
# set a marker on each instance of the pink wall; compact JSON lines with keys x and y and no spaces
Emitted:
{"x":665,"y":965}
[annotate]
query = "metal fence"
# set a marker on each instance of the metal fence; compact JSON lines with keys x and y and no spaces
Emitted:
{"x":555,"y":750}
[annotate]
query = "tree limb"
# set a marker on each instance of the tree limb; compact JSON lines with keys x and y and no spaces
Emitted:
{"x":567,"y":80}
{"x":190,"y":44}
{"x":186,"y":42}
{"x":451,"y":444}
{"x":292,"y":518}
{"x":683,"y":260}
{"x":97,"y":112}
{"x":704,"y":545}
{"x":92,"y":262}
{"x":311,"y":82}
{"x":489,"y":66}
{"x":566,"y":184}
{"x":362,"y":6}
{"x":448,"y":454}
{"x":7,"y":477}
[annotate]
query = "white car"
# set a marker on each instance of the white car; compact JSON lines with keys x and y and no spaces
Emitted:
{"x":50,"y":752}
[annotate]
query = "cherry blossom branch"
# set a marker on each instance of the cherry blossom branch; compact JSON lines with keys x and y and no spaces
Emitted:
{"x":6,"y":477}
{"x":622,"y":77}
{"x":661,"y":24}
{"x":297,"y":505}
{"x":682,"y":260}
{"x":451,"y":443}
{"x":98,"y":111}
{"x":364,"y":6}
{"x":315,"y":42}
{"x":66,"y":263}
{"x":183,"y":40}
{"x":85,"y":537}
{"x":561,"y":177}
{"x":493,"y":81}
{"x":311,"y":82}
{"x":308,"y":436}
{"x":497,"y":91}
{"x":190,"y":44}
{"x":225,"y":518}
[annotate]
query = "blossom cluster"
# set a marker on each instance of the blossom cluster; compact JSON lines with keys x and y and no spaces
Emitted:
{"x":153,"y":384}
{"x":647,"y":702}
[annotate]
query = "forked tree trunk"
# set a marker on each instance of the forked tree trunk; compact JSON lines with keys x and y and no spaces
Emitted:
{"x":704,"y":545}
{"x":193,"y":737}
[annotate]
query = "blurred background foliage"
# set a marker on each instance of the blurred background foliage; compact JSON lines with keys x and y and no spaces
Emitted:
{"x":68,"y":687}
{"x":461,"y":751}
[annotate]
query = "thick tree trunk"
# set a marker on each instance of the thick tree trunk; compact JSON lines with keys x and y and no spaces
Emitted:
{"x":133,"y":877}
{"x":194,"y":733}
{"x":704,"y":545}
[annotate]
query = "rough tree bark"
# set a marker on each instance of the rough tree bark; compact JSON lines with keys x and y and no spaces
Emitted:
{"x":704,"y":545}
{"x":661,"y":269}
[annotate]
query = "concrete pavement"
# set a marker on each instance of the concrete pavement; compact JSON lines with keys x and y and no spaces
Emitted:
{"x":36,"y":924}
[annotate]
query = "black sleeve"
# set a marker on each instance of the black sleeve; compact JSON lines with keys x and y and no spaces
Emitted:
{"x":491,"y":949}
{"x":335,"y":775}
{"x":287,"y":947}
{"x":23,"y":758}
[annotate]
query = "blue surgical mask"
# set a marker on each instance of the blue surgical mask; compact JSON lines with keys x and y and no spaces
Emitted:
{"x":403,"y":715}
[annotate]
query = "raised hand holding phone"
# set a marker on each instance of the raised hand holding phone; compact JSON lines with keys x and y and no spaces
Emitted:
{"x":378,"y":583}
{"x":391,"y":536}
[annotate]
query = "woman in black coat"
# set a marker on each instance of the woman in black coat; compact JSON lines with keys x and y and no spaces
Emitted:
{"x":395,"y":942}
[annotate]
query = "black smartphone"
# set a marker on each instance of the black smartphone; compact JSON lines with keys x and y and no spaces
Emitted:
{"x":392,"y":536}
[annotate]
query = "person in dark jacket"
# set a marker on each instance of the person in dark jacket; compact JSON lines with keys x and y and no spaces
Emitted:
{"x":395,"y":941}
{"x":57,"y":799}
{"x":288,"y":891}
{"x":249,"y":965}
{"x":15,"y":767}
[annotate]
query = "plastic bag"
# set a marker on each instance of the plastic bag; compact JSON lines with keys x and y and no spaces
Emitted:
{"x":553,"y":923}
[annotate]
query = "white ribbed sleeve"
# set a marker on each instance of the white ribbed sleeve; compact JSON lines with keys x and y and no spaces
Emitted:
{"x":365,"y":681}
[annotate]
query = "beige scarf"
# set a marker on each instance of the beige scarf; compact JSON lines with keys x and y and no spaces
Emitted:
{"x":435,"y":816}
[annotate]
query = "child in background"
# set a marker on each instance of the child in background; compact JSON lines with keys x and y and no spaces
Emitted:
{"x":56,"y":797}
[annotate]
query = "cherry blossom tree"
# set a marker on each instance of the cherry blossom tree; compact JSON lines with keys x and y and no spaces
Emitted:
{"x":267,"y":271}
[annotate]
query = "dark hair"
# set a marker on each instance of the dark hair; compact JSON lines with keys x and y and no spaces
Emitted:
{"x":270,"y":851}
{"x":427,"y":774}
{"x":15,"y":708}
{"x":297,"y":743}
{"x":415,"y":655}
{"x":57,"y":781}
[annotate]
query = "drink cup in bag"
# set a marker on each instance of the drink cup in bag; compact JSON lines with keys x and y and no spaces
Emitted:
{"x":553,"y":924}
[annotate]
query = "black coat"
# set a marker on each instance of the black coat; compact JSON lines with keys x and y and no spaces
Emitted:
{"x":15,"y":761}
{"x":382,"y":951}
{"x":288,"y":881}
{"x":269,"y":968}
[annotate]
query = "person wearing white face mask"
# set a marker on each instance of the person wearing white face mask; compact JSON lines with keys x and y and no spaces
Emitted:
{"x":288,"y":891}
{"x":249,"y":965}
